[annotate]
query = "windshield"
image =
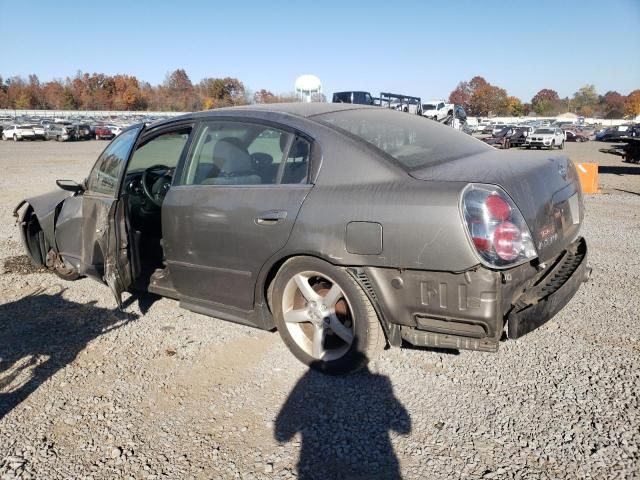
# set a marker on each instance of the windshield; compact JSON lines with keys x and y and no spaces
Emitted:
{"x":428,"y":106}
{"x":412,"y":140}
{"x":543,"y":131}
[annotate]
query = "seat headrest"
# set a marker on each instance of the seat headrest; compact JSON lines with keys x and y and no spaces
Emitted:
{"x":300,"y":148}
{"x":235,"y":158}
{"x":262,"y":159}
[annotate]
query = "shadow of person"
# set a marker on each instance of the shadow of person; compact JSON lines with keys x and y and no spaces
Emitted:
{"x":344,"y":424}
{"x":40,"y":334}
{"x":144,"y":300}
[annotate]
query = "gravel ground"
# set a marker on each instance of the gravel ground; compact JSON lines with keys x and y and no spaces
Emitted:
{"x":87,"y":391}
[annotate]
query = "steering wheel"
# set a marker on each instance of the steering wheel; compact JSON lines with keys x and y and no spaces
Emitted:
{"x":161,"y":176}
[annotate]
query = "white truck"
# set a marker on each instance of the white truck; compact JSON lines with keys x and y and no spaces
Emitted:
{"x":437,"y":109}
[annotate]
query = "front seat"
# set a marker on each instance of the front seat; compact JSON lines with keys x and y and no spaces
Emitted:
{"x":237,"y":167}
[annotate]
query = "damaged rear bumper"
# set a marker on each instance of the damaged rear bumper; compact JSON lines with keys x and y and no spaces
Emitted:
{"x":469,"y":310}
{"x":552,"y":293}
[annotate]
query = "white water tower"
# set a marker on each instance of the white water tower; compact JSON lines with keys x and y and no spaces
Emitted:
{"x":307,"y":86}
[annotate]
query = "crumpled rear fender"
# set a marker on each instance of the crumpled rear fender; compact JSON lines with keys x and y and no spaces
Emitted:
{"x":44,"y":207}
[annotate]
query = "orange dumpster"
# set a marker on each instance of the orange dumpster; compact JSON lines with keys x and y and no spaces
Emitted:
{"x":588,"y":173}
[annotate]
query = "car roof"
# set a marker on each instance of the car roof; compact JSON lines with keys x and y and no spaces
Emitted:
{"x":299,"y":109}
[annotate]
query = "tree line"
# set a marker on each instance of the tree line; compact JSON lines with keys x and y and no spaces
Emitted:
{"x":480,"y":98}
{"x":98,"y":91}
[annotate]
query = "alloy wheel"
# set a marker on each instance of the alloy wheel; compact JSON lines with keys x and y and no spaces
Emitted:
{"x":318,"y":315}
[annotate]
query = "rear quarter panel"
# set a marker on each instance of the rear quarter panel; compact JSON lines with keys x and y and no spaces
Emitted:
{"x":421,"y":223}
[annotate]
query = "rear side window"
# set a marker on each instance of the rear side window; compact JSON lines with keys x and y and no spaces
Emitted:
{"x":296,"y":167}
{"x":412,"y":140}
{"x":235,"y":153}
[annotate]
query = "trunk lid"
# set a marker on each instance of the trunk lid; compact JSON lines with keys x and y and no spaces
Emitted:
{"x":546,"y":189}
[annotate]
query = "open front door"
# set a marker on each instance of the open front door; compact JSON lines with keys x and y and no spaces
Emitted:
{"x":117,"y":269}
{"x":105,"y":242}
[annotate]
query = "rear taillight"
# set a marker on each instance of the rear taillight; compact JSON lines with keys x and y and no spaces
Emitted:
{"x":495,"y":226}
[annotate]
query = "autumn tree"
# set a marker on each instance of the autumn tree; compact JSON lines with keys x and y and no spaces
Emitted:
{"x":585,"y":100}
{"x":515,"y":107}
{"x":52,"y":93}
{"x":461,"y":95}
{"x":180,"y":92}
{"x":611,"y":105}
{"x":545,"y":102}
{"x":479,"y":97}
{"x":488,"y":99}
{"x":264,"y":96}
{"x":69,"y":102}
{"x":221,"y":92}
{"x":632,"y":103}
{"x":127,"y":94}
{"x":4,"y":99}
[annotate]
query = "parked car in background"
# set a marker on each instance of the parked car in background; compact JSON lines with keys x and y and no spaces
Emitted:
{"x":476,"y":243}
{"x":354,"y":97}
{"x":502,"y":139}
{"x":81,"y":131}
{"x":498,"y":127}
{"x":546,"y":138}
{"x":38,"y":132}
{"x":59,"y":131}
{"x":613,"y":133}
{"x":17,"y":132}
{"x":102,"y":132}
{"x":519,"y":136}
{"x":115,"y":129}
{"x":571,"y":136}
{"x":436,"y":109}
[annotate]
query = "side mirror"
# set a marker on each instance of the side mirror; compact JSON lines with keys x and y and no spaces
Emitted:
{"x":70,"y":186}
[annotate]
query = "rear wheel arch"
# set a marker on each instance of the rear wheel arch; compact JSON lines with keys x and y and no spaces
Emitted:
{"x":272,"y":272}
{"x":267,"y":285}
{"x":367,"y":337}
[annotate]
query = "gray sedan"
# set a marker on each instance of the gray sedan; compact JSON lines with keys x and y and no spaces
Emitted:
{"x":346,"y":228}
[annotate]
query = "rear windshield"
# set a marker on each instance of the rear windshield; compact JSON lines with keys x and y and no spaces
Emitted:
{"x":412,"y":140}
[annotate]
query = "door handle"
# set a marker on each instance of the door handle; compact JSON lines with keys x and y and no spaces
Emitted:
{"x":271,"y":217}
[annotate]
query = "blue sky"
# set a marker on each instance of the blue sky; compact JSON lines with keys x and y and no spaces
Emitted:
{"x":419,"y":48}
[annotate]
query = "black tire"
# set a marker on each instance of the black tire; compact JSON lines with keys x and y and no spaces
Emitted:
{"x":4,"y":137}
{"x":561,"y":147}
{"x":368,"y":336}
{"x":57,"y":138}
{"x":15,"y":137}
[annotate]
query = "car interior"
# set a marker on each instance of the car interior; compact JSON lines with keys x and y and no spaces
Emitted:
{"x":222,"y":155}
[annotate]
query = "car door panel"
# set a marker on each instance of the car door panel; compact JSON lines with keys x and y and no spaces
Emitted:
{"x":104,"y":239}
{"x":217,"y":237}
